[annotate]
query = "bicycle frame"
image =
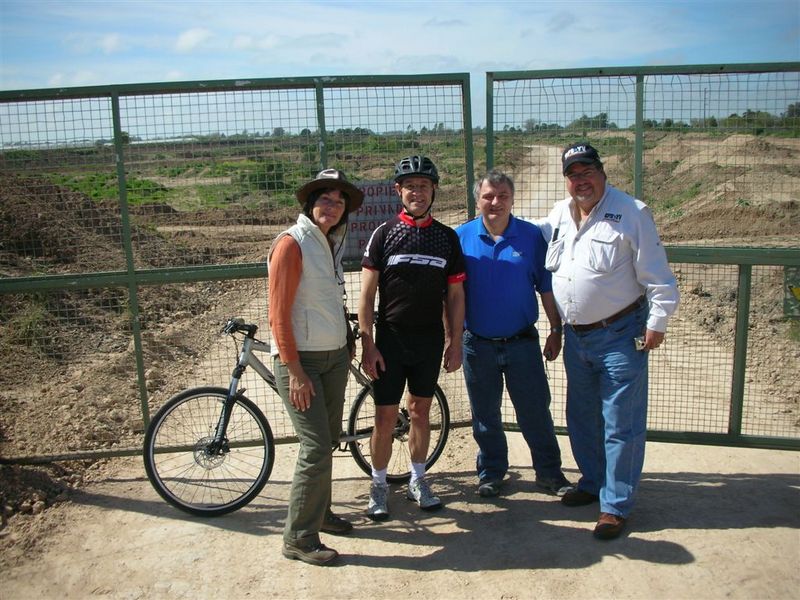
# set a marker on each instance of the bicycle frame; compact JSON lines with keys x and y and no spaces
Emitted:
{"x":248,"y":358}
{"x":190,"y":440}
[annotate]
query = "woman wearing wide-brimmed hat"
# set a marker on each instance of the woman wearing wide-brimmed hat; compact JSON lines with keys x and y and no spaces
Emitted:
{"x":310,"y":353}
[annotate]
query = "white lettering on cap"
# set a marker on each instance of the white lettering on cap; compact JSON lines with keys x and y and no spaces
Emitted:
{"x":575,"y":150}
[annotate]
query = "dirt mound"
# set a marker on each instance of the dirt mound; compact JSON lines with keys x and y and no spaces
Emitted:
{"x":735,"y":223}
{"x":55,"y":236}
{"x":50,"y":410}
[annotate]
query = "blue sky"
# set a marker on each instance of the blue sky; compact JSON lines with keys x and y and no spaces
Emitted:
{"x":45,"y":44}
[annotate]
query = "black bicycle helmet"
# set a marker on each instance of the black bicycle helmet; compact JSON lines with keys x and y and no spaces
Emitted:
{"x":418,"y":166}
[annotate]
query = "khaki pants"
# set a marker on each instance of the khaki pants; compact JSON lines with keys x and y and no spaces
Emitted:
{"x":318,"y":430}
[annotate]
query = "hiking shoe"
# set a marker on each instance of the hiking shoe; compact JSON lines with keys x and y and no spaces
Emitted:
{"x":557,"y":486}
{"x":335,"y":525}
{"x":489,"y":488}
{"x":316,"y":554}
{"x":420,"y":492}
{"x":378,"y":509}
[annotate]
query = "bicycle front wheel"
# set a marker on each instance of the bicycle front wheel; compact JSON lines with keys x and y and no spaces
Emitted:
{"x":189,"y":472}
{"x":362,"y":421}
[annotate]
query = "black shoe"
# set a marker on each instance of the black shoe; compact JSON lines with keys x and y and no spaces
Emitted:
{"x":608,"y":526}
{"x":578,"y":498}
{"x":335,"y":525}
{"x":317,"y":554}
{"x":488,"y":488}
{"x":558,"y":486}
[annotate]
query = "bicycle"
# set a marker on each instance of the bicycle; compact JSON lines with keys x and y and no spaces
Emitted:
{"x":209,"y":451}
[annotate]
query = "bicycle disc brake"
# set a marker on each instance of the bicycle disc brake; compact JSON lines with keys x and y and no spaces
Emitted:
{"x":209,"y":455}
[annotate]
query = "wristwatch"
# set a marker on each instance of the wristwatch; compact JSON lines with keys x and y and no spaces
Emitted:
{"x":559,"y":330}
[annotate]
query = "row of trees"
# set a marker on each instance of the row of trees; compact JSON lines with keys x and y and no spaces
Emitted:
{"x":749,"y":120}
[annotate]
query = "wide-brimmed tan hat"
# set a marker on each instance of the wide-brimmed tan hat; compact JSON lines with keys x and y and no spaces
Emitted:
{"x":331,"y":178}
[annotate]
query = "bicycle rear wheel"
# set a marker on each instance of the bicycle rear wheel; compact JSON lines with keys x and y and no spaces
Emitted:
{"x":362,"y":421}
{"x":190,"y":475}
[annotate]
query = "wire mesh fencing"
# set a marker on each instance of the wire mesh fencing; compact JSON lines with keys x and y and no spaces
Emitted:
{"x":715,"y":153}
{"x":696,"y":146}
{"x":136,"y":219}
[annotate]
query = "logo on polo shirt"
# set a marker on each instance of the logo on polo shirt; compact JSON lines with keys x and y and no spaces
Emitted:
{"x":612,"y":217}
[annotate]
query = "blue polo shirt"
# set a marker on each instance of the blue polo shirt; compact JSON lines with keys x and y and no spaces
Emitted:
{"x":503,"y":276}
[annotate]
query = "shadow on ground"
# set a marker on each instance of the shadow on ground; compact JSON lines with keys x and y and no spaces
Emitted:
{"x":521,"y":529}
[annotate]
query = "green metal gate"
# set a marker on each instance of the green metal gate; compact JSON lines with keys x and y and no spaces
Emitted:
{"x":136,"y":218}
{"x":713,"y":150}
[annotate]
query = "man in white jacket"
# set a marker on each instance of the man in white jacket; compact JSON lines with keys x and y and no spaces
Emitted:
{"x":615,"y":292}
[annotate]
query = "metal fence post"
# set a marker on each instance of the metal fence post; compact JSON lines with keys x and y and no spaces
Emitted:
{"x":740,"y":349}
{"x":133,"y":295}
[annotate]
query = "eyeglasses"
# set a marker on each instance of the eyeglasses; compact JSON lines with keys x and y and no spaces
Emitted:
{"x":417,"y":188}
{"x":585,"y":174}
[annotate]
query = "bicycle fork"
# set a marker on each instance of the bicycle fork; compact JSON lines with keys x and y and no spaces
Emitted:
{"x":219,"y":445}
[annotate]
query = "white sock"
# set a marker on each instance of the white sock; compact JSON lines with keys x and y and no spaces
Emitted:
{"x":379,"y":477}
{"x":417,"y":471}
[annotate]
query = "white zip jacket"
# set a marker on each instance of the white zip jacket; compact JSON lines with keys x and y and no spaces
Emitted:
{"x":613,"y":259}
{"x":318,"y":320}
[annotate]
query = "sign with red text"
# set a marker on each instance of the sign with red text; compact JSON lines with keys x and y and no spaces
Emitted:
{"x":380,"y":203}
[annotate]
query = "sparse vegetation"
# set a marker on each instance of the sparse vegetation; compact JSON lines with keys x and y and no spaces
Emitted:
{"x":104,"y":187}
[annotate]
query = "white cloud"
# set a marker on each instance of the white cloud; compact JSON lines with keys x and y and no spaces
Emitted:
{"x":189,"y":40}
{"x":244,"y":42}
{"x":174,"y":75}
{"x":248,"y":43}
{"x":123,"y":42}
{"x":56,"y":80}
{"x":111,"y":43}
{"x":74,"y":79}
{"x":84,"y":77}
{"x":437,"y":22}
{"x":560,"y":21}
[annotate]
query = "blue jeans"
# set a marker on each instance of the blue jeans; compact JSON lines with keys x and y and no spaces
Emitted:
{"x":607,"y":409}
{"x":519,"y":362}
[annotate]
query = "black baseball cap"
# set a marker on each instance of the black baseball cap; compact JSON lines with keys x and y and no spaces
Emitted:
{"x":578,"y":153}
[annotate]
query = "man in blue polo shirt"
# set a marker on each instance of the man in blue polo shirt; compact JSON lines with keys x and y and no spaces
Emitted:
{"x":505,"y":268}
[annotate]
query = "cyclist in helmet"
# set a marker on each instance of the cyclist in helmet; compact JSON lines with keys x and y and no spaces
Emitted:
{"x":415,"y":265}
{"x":416,"y":167}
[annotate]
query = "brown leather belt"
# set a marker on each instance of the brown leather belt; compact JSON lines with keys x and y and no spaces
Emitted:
{"x":609,"y":320}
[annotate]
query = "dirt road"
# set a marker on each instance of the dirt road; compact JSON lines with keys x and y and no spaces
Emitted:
{"x":710,"y":523}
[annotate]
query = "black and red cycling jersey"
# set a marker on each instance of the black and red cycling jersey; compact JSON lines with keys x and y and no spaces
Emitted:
{"x":416,"y":261}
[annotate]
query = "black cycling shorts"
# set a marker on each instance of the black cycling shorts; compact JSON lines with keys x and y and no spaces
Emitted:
{"x":412,"y":358}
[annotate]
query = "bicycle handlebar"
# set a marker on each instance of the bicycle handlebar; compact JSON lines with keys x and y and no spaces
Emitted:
{"x":237,"y":324}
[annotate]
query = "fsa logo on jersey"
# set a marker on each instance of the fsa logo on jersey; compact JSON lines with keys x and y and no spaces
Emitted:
{"x":417,"y":259}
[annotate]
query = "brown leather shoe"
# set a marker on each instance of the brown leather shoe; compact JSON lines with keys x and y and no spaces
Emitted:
{"x":608,"y":526}
{"x":578,"y":497}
